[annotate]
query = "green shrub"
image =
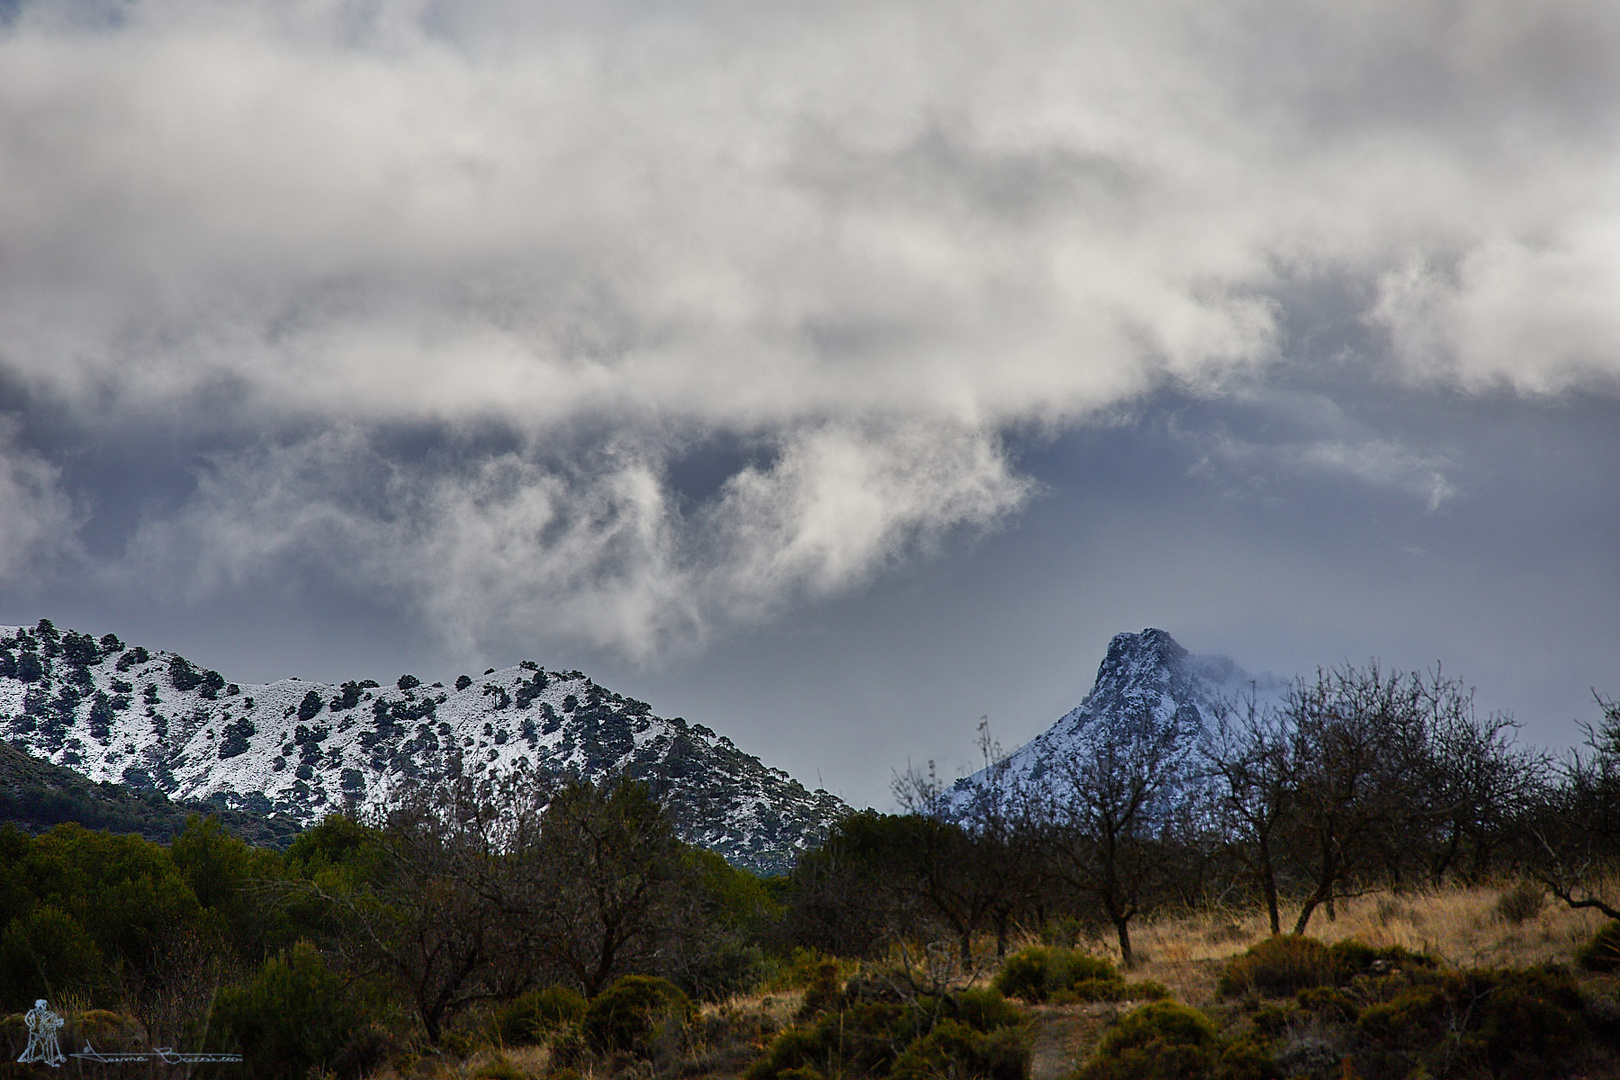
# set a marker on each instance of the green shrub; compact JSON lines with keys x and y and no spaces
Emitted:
{"x":957,"y":1050}
{"x":641,"y":1014}
{"x":1351,"y":958}
{"x":535,"y":1015}
{"x":1521,"y":903}
{"x":976,"y":1033}
{"x":1145,"y":990}
{"x":109,"y":1032}
{"x":1160,"y":1041}
{"x":985,"y":1010}
{"x":1602,"y":953}
{"x":1246,"y":1059}
{"x":1037,"y":974}
{"x":1276,"y":967}
{"x":293,"y":1019}
{"x":1500,"y":1022}
{"x":498,"y":1067}
{"x":824,"y":989}
{"x":862,"y":1040}
{"x":1328,"y":1003}
{"x":364,"y":1051}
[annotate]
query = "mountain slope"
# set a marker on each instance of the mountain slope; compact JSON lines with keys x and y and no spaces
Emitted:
{"x":1147,"y":687}
{"x":297,"y":750}
{"x":37,"y":795}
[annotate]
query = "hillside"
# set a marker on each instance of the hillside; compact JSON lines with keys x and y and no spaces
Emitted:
{"x":36,"y":795}
{"x":292,"y":751}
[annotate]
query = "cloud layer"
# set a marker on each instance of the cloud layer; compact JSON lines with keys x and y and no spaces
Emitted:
{"x":571,"y":242}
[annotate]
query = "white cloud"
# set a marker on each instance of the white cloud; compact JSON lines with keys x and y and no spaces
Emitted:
{"x":38,"y":520}
{"x":504,"y":544}
{"x":873,"y":236}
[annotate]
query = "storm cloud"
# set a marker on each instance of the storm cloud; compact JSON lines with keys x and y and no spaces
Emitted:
{"x":440,"y":297}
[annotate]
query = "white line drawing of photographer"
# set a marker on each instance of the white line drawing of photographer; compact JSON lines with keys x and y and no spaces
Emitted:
{"x":42,"y":1028}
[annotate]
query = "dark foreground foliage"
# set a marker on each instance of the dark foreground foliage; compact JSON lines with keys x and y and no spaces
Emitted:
{"x":1350,"y":1009}
{"x":881,"y":1032}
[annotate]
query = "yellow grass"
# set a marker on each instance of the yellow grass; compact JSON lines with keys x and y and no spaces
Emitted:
{"x":1458,"y":924}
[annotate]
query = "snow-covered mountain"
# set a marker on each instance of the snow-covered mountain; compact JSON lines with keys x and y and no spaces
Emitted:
{"x":1148,"y":690}
{"x":298,"y":750}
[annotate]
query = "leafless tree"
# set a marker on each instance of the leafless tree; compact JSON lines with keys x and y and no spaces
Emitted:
{"x":1577,"y":832}
{"x":1250,"y":758}
{"x":1106,"y":815}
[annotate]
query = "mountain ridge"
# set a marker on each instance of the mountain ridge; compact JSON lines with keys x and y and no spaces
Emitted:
{"x":296,"y":750}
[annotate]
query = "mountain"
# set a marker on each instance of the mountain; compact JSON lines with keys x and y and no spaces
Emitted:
{"x":1147,"y":687}
{"x":293,"y":751}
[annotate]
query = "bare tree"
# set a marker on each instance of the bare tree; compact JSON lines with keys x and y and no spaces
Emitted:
{"x":968,"y":859}
{"x":1351,"y":735}
{"x":1250,"y":758}
{"x":1577,"y":831}
{"x":1106,"y":817}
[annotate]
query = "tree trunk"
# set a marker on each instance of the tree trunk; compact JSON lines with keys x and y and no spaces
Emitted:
{"x":1122,"y":925}
{"x":1268,"y":883}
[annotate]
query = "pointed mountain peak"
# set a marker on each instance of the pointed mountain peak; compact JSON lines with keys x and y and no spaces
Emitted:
{"x":1146,"y":685}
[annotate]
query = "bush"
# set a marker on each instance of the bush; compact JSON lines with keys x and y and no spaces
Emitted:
{"x":182,"y":676}
{"x":955,"y":1049}
{"x":641,"y":1014}
{"x":1040,"y":973}
{"x":823,"y":990}
{"x":976,"y":1033}
{"x":1494,"y":1022}
{"x":1521,"y":903}
{"x":109,"y":1032}
{"x":1351,"y":958}
{"x":985,"y":1010}
{"x":1602,"y":953}
{"x":1160,"y":1041}
{"x":1276,"y":967}
{"x":293,"y":1019}
{"x":535,"y":1015}
{"x":498,"y":1067}
{"x":366,"y":1049}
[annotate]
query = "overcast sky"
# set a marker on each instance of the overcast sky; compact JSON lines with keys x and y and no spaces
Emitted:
{"x":832,"y":373}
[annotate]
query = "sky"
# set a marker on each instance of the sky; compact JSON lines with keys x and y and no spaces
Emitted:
{"x":837,"y":375}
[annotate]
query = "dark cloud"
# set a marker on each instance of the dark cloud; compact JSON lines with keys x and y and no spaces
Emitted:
{"x":611,"y":329}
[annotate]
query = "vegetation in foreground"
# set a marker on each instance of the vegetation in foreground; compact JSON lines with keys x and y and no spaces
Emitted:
{"x":1462,"y":924}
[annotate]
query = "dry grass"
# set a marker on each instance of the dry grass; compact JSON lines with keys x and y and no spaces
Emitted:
{"x":1460,"y":925}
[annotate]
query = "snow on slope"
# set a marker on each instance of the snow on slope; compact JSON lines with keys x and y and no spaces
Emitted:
{"x":1147,"y":687}
{"x":300,"y":749}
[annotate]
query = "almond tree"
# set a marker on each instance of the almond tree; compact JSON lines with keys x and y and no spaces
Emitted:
{"x":1577,"y":831}
{"x":1250,"y":758}
{"x":1107,"y":820}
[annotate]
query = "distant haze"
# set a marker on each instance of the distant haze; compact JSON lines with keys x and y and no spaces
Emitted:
{"x":833,"y":375}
